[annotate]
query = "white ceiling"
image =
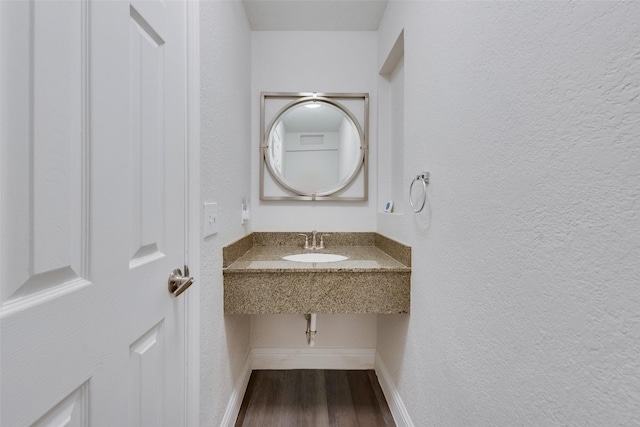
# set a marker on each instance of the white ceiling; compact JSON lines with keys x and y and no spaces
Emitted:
{"x":314,"y":15}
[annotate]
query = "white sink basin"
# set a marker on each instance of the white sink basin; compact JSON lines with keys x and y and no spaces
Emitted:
{"x":311,"y":257}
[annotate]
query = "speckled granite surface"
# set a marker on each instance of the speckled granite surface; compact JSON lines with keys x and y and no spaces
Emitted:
{"x":397,"y":250}
{"x":376,"y":277}
{"x":236,"y":250}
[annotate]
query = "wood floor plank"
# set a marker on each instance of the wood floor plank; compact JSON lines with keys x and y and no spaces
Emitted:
{"x":314,"y":398}
{"x":284,"y":411}
{"x":382,"y":401}
{"x":248,"y":394}
{"x":364,"y":399}
{"x":257,"y":390}
{"x":339,"y":402}
{"x":261,"y":409}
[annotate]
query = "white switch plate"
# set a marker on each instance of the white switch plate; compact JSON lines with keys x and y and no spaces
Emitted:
{"x":210,"y":219}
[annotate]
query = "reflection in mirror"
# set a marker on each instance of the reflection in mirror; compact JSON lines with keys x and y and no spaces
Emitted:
{"x":314,"y":147}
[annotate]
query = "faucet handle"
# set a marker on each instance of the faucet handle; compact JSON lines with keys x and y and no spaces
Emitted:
{"x":306,"y":240}
{"x":322,"y":240}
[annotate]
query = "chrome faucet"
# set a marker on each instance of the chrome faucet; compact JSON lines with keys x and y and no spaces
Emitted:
{"x":314,"y":241}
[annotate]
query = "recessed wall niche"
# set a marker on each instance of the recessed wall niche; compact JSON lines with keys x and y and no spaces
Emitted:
{"x":391,"y":184}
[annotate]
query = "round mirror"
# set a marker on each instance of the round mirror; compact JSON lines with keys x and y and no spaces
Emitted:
{"x":314,"y":147}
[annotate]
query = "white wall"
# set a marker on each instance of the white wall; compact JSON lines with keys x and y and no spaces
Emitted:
{"x":310,"y":61}
{"x":525,"y":299}
{"x":334,"y":331}
{"x":225,"y":178}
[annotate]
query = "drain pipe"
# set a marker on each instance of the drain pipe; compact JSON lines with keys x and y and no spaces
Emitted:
{"x":311,"y":329}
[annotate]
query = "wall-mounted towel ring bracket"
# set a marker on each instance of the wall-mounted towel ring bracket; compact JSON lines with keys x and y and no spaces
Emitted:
{"x":423,"y":178}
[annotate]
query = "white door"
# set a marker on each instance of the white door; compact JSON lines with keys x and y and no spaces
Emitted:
{"x":92,"y":212}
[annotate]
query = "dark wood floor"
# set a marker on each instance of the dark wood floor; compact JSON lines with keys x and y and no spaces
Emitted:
{"x":314,"y":398}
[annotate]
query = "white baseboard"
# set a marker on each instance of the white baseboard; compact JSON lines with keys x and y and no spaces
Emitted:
{"x":313,"y":358}
{"x":235,"y":402}
{"x":398,"y":410}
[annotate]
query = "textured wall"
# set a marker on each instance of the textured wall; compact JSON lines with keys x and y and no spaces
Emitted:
{"x":225,"y":155}
{"x":526,"y":297}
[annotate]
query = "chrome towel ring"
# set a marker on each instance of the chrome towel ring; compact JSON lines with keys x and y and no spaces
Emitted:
{"x":423,"y":178}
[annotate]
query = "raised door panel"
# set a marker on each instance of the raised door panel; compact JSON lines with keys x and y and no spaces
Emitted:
{"x":147,"y":97}
{"x":146,"y":369}
{"x":72,"y":411}
{"x":44,"y":151}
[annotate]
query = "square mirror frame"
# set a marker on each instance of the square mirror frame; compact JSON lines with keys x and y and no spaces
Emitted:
{"x":356,"y":190}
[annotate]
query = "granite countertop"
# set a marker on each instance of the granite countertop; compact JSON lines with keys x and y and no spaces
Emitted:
{"x":269,"y":259}
{"x":376,"y":277}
